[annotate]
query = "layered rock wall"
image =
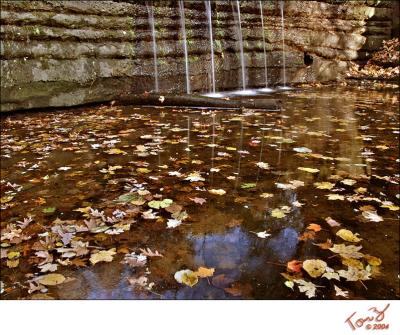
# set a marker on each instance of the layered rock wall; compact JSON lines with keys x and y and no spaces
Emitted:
{"x":65,"y":53}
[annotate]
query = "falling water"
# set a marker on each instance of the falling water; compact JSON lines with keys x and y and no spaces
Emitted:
{"x":239,"y":25}
{"x":182,"y":15}
{"x":266,"y":89}
{"x":208,"y":10}
{"x":283,"y":45}
{"x":153,"y":33}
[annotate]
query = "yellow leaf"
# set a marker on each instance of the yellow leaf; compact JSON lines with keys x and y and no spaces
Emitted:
{"x":51,"y":279}
{"x":204,"y":272}
{"x":348,"y":236}
{"x":13,"y":254}
{"x":6,"y":199}
{"x":334,"y":196}
{"x":143,"y":170}
{"x":306,"y":169}
{"x":12,"y":263}
{"x":278,"y":213}
{"x":115,"y":151}
{"x":314,"y":267}
{"x":103,"y":256}
{"x":325,"y":185}
{"x":391,"y":207}
{"x":372,"y":260}
{"x":355,"y":263}
{"x":266,"y":195}
{"x":217,"y":192}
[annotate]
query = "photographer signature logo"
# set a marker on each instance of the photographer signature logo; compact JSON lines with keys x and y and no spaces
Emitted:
{"x":373,"y":319}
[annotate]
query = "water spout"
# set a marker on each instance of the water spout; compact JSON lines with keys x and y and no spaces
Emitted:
{"x":283,"y":45}
{"x":266,"y":89}
{"x":182,"y":15}
{"x":153,"y":33}
{"x":240,"y":38}
{"x":210,"y":31}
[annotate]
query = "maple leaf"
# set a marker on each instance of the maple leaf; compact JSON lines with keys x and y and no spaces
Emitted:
{"x":262,"y":234}
{"x":354,"y":274}
{"x":324,"y":185}
{"x":340,"y":292}
{"x":173,"y":223}
{"x":347,"y":251}
{"x":48,"y":267}
{"x":306,"y":287}
{"x":330,"y":274}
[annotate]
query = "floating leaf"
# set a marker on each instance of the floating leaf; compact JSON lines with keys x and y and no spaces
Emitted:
{"x":51,"y":279}
{"x":355,"y":263}
{"x":302,"y":150}
{"x":217,"y":191}
{"x":115,"y":151}
{"x":315,"y":227}
{"x":354,"y":274}
{"x":263,"y":165}
{"x":307,"y":169}
{"x":149,"y":253}
{"x":330,"y":274}
{"x":134,"y":260}
{"x":332,"y":222}
{"x":248,"y":185}
{"x":348,"y":235}
{"x":289,"y":283}
{"x":340,"y":292}
{"x":294,"y":266}
{"x":277,"y":213}
{"x":199,"y":201}
{"x":335,"y":196}
{"x":263,"y":234}
{"x":325,"y":185}
{"x":348,"y":182}
{"x":173,"y":223}
{"x":314,"y":267}
{"x":347,"y":251}
{"x":160,"y":204}
{"x":102,"y":256}
{"x":48,"y":210}
{"x":372,"y":216}
{"x":187,"y":277}
{"x":372,"y":260}
{"x":306,"y":287}
{"x":266,"y":195}
{"x":203,"y":272}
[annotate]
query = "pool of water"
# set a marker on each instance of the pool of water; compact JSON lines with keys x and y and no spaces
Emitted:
{"x":330,"y":152}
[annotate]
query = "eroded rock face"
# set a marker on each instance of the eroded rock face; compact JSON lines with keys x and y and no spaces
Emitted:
{"x":65,"y":53}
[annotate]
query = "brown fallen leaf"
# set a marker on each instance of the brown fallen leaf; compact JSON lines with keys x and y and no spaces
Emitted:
{"x":325,"y":245}
{"x":313,"y":226}
{"x":307,"y":235}
{"x":199,"y":201}
{"x":239,"y":289}
{"x":221,"y":281}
